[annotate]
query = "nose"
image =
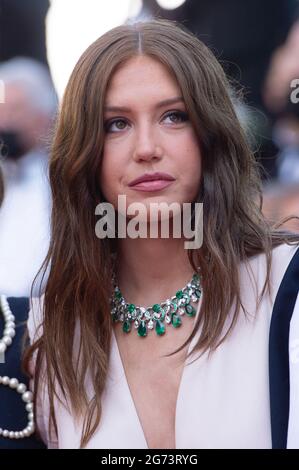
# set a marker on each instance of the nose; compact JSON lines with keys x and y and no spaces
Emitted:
{"x":146,"y":146}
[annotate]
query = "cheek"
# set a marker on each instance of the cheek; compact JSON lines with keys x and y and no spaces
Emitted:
{"x":190,"y":159}
{"x":196,"y":165}
{"x":191,"y":170}
{"x":111,"y":161}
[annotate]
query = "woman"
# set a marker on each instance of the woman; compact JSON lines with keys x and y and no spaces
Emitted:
{"x":102,"y":378}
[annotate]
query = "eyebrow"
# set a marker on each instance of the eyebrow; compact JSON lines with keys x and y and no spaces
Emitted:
{"x":158,"y":105}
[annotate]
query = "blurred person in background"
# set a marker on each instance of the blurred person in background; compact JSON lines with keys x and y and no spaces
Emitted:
{"x":280,"y":203}
{"x":26,"y":117}
{"x":281,"y":96}
{"x":16,"y":431}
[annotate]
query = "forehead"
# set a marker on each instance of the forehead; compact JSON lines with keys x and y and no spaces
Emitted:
{"x":141,"y":76}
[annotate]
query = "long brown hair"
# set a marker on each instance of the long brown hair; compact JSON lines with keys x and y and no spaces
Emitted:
{"x":80,"y":265}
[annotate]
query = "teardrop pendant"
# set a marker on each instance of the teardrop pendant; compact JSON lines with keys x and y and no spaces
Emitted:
{"x":142,"y":330}
{"x":190,"y":310}
{"x":176,"y":320}
{"x":127,"y":326}
{"x":160,"y":328}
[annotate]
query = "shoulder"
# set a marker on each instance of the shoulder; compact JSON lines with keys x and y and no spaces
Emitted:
{"x":282,"y":256}
{"x":254,"y":270}
{"x":286,"y":273}
{"x":283,"y":265}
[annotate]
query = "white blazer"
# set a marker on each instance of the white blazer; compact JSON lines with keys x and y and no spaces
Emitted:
{"x":223,"y":400}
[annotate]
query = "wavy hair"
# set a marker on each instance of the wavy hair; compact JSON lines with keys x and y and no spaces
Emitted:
{"x":80,"y":265}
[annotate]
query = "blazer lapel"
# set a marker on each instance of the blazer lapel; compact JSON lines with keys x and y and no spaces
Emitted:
{"x":279,"y":353}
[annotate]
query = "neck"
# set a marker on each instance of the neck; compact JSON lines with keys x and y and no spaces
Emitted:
{"x":150,"y":270}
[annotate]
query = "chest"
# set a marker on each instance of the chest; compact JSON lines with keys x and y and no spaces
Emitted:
{"x":154,"y":382}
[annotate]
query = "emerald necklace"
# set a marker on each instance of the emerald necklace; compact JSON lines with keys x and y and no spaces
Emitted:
{"x":157,"y":315}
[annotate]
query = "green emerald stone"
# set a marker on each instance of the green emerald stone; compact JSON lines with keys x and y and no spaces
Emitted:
{"x":118,"y":295}
{"x":160,"y":328}
{"x":195,"y":277}
{"x":131,"y":308}
{"x":114,"y":317}
{"x":176,"y":320}
{"x":179,"y":294}
{"x":174,"y":306}
{"x":190,"y":310}
{"x":127,"y":326}
{"x":156,"y":308}
{"x":197,"y":292}
{"x":142,"y":329}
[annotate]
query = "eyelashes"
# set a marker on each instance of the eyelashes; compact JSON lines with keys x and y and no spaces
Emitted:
{"x":183,"y":116}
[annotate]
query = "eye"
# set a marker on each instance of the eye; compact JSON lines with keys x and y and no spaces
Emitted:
{"x":180,"y":116}
{"x":108,"y":125}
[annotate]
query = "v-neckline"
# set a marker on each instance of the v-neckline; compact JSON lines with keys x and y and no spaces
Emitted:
{"x":125,"y":380}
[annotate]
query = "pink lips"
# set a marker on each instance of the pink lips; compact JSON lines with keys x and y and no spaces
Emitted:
{"x":152,"y":181}
{"x":152,"y":185}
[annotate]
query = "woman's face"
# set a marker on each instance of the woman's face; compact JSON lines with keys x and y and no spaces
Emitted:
{"x":148,"y":137}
